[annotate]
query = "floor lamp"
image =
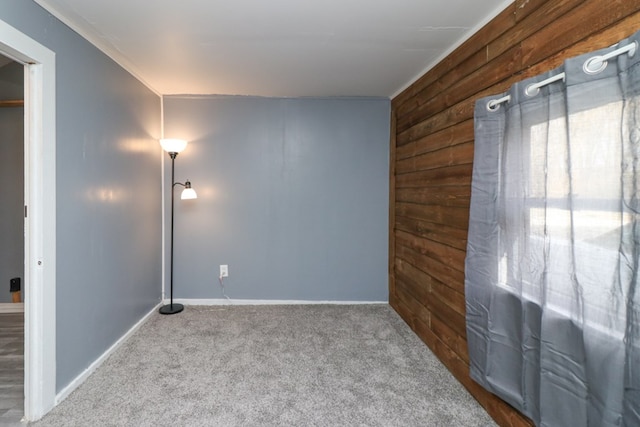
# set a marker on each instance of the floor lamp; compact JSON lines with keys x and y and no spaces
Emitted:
{"x":173,"y":147}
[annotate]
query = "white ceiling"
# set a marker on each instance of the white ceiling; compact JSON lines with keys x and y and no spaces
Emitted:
{"x":287,"y":48}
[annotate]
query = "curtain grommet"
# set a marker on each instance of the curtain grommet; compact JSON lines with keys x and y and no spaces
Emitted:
{"x":494,"y":104}
{"x":598,"y":63}
{"x":595,"y":65}
{"x":532,"y":90}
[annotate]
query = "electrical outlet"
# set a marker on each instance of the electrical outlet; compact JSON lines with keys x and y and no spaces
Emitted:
{"x":224,"y":270}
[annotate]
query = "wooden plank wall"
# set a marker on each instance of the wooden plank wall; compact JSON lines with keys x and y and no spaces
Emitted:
{"x":432,"y":154}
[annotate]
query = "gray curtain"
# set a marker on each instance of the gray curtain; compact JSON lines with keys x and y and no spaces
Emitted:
{"x":553,"y":307}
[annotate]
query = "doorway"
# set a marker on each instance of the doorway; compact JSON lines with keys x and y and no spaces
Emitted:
{"x":12,"y":230}
{"x":39,"y":285}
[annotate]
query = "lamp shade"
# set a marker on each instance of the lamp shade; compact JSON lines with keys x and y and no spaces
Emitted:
{"x":173,"y":145}
{"x":188,"y":192}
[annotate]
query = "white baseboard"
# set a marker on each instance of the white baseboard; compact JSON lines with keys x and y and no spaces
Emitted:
{"x":96,"y":364}
{"x":9,"y":307}
{"x":221,"y":301}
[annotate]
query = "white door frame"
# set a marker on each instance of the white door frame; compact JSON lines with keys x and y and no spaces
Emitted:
{"x":40,"y":223}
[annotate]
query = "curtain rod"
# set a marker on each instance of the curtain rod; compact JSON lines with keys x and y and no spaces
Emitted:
{"x":593,"y":65}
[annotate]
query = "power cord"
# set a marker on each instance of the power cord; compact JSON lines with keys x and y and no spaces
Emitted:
{"x":221,"y":279}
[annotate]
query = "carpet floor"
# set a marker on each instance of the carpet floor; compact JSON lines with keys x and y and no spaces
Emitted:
{"x":310,"y":365}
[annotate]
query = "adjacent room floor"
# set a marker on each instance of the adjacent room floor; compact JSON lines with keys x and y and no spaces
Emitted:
{"x":11,"y":368}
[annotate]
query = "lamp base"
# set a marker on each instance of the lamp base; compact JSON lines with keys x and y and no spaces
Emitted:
{"x":171,"y":308}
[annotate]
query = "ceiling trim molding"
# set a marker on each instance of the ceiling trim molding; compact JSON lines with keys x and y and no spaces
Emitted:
{"x":453,"y":47}
{"x":78,"y":24}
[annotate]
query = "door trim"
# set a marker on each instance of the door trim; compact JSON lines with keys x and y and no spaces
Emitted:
{"x":40,"y":224}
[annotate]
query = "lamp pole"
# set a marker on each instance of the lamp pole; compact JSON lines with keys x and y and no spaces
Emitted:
{"x":171,"y":308}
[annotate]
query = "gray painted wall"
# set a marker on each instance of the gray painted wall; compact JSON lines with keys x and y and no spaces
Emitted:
{"x":108,"y":193}
{"x":293,"y":196}
{"x":11,"y":179}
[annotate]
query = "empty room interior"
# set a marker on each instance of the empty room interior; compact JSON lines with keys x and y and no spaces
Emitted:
{"x":320,"y":213}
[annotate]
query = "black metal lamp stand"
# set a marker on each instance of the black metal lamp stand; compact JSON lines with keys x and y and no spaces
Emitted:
{"x":171,"y":308}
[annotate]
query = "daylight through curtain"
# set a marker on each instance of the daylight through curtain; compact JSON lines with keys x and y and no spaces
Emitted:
{"x":553,"y":310}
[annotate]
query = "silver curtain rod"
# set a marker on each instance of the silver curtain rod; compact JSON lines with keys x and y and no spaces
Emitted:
{"x":593,"y":65}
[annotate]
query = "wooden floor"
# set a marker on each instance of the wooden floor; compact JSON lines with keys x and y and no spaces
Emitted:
{"x":11,"y":368}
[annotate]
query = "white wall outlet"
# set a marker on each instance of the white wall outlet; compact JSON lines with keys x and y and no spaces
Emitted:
{"x":224,"y":270}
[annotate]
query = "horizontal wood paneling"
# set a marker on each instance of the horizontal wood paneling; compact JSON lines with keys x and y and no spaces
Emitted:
{"x":451,"y":93}
{"x":453,"y":135}
{"x":452,"y":216}
{"x":454,"y":237}
{"x":432,"y":156}
{"x":457,"y":155}
{"x":445,"y":254}
{"x":453,"y":175}
{"x":530,"y":25}
{"x":454,"y":278}
{"x":452,"y":195}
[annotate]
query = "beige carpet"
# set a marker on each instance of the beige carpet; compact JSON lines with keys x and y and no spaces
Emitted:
{"x":315,"y":365}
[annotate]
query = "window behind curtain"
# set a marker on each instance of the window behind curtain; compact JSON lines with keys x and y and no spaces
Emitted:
{"x":554,"y":244}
